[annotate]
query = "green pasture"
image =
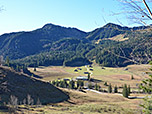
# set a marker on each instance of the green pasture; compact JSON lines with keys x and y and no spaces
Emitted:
{"x":98,"y":71}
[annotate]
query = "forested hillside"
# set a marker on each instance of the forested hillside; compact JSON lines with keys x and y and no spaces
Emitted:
{"x":22,"y":44}
{"x":136,"y":50}
{"x":110,"y":45}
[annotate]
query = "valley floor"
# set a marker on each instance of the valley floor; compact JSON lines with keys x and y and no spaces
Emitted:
{"x":91,"y":102}
{"x":87,"y":103}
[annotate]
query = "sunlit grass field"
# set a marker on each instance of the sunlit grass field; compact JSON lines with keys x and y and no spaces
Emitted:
{"x":91,"y":102}
{"x":115,"y":76}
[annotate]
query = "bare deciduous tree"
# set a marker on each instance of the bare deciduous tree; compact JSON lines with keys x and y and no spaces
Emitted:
{"x":1,"y":60}
{"x":137,"y":10}
{"x":13,"y":104}
{"x":29,"y":100}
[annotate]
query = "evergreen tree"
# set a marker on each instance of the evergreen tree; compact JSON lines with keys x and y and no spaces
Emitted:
{"x":88,"y":76}
{"x":105,"y":84}
{"x":65,"y":84}
{"x":78,"y":83}
{"x":81,"y":83}
{"x":129,"y":90}
{"x":57,"y":83}
{"x":115,"y":89}
{"x":72,"y":84}
{"x":132,"y":77}
{"x":96,"y":86}
{"x":61,"y":84}
{"x":109,"y":88}
{"x":125,"y":91}
{"x":53,"y":82}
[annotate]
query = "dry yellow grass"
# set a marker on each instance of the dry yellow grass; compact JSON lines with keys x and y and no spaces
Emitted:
{"x":94,"y":103}
{"x":115,"y":76}
{"x":119,"y":38}
{"x":52,"y":73}
{"x":90,"y":103}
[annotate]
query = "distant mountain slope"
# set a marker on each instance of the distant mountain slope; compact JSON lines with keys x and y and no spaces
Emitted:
{"x":62,"y":52}
{"x":20,"y":85}
{"x":56,"y":45}
{"x":21,"y":44}
{"x":111,"y":30}
{"x":137,"y":49}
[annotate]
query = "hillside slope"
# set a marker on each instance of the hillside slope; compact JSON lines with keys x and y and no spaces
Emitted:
{"x":20,"y":85}
{"x":21,"y":44}
{"x":110,"y":45}
{"x":110,"y":30}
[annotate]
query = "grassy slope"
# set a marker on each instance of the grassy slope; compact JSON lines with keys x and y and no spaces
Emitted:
{"x":52,"y":73}
{"x":21,"y":85}
{"x":91,"y":103}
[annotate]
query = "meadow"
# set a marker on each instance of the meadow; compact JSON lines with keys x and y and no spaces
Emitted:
{"x":89,"y":102}
{"x":115,"y":76}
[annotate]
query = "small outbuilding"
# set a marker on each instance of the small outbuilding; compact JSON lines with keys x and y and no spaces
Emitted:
{"x":75,"y":70}
{"x":82,"y":78}
{"x":86,"y":72}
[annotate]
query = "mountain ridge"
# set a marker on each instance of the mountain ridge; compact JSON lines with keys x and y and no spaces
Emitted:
{"x":28,"y":43}
{"x":59,"y":42}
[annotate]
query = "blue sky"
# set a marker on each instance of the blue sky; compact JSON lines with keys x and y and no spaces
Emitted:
{"x":86,"y":15}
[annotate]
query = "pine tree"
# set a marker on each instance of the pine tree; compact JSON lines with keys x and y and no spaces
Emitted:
{"x":115,"y":89}
{"x":60,"y":84}
{"x":72,"y":84}
{"x":78,"y":84}
{"x":105,"y":84}
{"x":109,"y":88}
{"x":132,"y":77}
{"x":81,"y":83}
{"x":65,"y":84}
{"x":129,"y":90}
{"x":53,"y":82}
{"x":57,"y":83}
{"x":88,"y":76}
{"x":96,"y":87}
{"x":125,"y":91}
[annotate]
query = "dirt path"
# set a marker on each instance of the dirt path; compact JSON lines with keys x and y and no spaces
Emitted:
{"x":130,"y":97}
{"x":88,"y":70}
